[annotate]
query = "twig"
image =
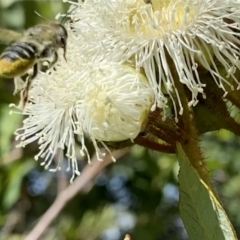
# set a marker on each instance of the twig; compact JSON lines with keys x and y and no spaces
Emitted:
{"x":89,"y":172}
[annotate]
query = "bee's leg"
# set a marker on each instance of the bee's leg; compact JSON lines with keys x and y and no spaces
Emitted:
{"x":19,"y":84}
{"x":35,"y":71}
{"x":24,"y":94}
{"x":48,"y":52}
{"x":55,"y":59}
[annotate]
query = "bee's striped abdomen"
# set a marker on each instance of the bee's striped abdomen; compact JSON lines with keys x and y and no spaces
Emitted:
{"x":17,"y":59}
{"x":19,"y":50}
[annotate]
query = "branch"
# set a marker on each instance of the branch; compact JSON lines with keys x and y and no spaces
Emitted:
{"x":88,"y":174}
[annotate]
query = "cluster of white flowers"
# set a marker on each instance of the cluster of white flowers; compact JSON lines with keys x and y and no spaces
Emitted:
{"x":189,"y":32}
{"x":118,"y":69}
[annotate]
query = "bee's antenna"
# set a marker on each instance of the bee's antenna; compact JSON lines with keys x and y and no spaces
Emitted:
{"x":68,"y":14}
{"x":40,"y":16}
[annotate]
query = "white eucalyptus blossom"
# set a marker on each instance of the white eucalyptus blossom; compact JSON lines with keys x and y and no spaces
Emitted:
{"x":162,"y":36}
{"x":120,"y":60}
{"x":103,"y":101}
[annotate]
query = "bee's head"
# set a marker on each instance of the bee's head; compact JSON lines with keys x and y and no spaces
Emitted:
{"x":61,"y":37}
{"x":59,"y":32}
{"x":63,"y":32}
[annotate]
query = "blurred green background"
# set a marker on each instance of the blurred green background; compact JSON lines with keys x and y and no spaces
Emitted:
{"x":137,"y":195}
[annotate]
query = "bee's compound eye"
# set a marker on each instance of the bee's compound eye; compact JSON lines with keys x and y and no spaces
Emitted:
{"x":63,"y":42}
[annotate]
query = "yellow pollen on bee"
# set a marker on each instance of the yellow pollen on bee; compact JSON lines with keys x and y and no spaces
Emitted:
{"x":16,"y":68}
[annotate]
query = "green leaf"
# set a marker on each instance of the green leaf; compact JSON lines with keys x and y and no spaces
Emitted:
{"x":9,"y":124}
{"x":13,"y":190}
{"x":202,"y":213}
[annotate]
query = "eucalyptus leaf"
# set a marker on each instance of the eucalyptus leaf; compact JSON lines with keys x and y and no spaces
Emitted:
{"x":202,"y":213}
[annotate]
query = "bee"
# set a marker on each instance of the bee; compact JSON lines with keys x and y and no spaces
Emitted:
{"x":28,"y":50}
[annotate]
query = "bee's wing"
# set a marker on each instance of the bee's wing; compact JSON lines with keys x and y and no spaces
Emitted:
{"x":8,"y":36}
